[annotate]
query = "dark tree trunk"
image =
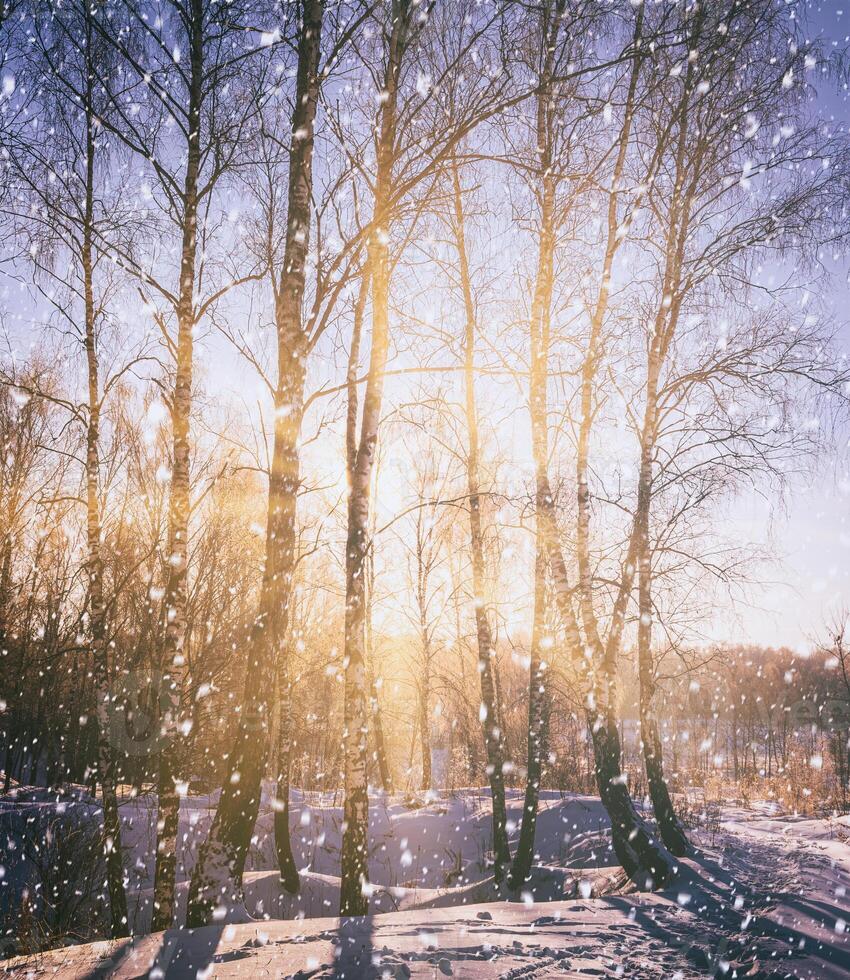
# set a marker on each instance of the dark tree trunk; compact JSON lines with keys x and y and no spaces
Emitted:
{"x":671,"y":830}
{"x":283,"y":843}
{"x":107,"y":770}
{"x":217,"y":877}
{"x":644,"y":858}
{"x":377,"y":727}
{"x":173,"y":658}
{"x":669,"y":826}
{"x":354,"y":858}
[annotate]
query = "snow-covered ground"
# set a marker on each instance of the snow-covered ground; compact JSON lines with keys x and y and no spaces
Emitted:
{"x":431,"y":850}
{"x":766,"y":895}
{"x":800,"y":869}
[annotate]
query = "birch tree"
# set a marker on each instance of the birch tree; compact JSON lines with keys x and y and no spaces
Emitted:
{"x":302,"y":312}
{"x":64,"y":208}
{"x":705,"y":167}
{"x":636,"y":849}
{"x":432,"y":95}
{"x":218,"y":873}
{"x":493,"y":740}
{"x":354,"y":870}
{"x":168,"y":108}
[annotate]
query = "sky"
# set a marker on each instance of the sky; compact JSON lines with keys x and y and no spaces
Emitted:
{"x":797,"y":593}
{"x":806,"y":528}
{"x":810,"y":534}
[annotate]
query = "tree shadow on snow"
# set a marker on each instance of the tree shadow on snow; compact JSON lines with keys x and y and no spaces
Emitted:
{"x":354,"y":949}
{"x":182,"y":954}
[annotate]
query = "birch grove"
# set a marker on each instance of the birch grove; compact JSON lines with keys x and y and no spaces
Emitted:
{"x":383,"y":390}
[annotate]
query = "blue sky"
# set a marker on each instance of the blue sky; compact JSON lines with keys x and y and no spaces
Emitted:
{"x":811,"y":581}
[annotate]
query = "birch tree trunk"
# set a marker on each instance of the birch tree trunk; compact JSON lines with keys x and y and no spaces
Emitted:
{"x":493,"y":737}
{"x":423,"y":566}
{"x":293,"y":349}
{"x":644,"y":858}
{"x":283,"y":842}
{"x":538,"y":403}
{"x":606,"y":687}
{"x":424,"y":731}
{"x":350,"y":461}
{"x":107,"y":769}
{"x":217,"y":877}
{"x":666,"y":321}
{"x":355,"y":870}
{"x":173,"y":658}
{"x":538,"y":725}
{"x":640,"y":854}
{"x":606,"y":654}
{"x":354,"y":858}
{"x":375,"y":704}
{"x":670,"y":828}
